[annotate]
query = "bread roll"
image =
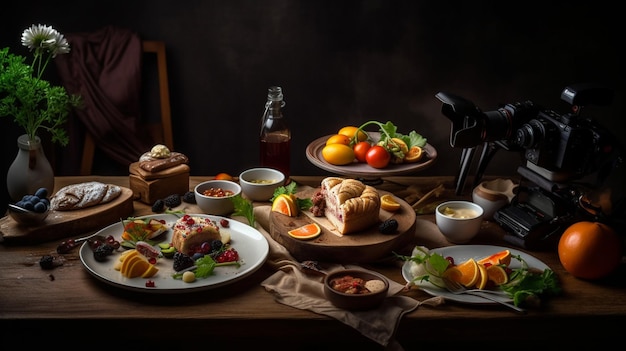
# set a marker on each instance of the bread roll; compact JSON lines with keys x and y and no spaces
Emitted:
{"x":350,"y":205}
{"x":83,"y":195}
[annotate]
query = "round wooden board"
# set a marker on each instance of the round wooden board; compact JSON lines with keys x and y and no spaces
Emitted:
{"x":360,"y":247}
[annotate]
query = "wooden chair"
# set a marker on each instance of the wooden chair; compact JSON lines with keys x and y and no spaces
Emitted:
{"x":161,"y":132}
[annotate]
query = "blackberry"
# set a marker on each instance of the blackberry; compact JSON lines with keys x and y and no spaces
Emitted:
{"x":46,"y":262}
{"x":389,"y":226}
{"x":172,"y":200}
{"x":101,"y":253}
{"x":158,"y":206}
{"x":189,"y":197}
{"x":182,"y":261}
{"x":216,"y":245}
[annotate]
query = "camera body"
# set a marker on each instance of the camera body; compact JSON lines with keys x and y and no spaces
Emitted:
{"x":557,"y":148}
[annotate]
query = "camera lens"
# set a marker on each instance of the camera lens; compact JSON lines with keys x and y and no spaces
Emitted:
{"x":531,"y":134}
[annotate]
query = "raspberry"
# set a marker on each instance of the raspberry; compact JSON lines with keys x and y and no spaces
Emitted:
{"x":172,"y":200}
{"x":189,"y":197}
{"x":158,"y":206}
{"x":229,"y":255}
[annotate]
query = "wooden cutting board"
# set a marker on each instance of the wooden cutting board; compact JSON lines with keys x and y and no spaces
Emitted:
{"x":360,"y":247}
{"x":66,"y":224}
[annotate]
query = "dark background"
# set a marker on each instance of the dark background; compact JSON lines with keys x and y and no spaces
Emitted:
{"x":343,"y":63}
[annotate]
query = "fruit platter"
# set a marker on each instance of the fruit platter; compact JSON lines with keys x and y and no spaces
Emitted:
{"x":148,"y":263}
{"x":506,"y":274}
{"x":355,"y":152}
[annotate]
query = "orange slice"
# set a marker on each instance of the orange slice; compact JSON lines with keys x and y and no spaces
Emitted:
{"x":150,"y":271}
{"x":389,"y":203}
{"x":483,"y":278}
{"x":125,"y":258}
{"x":128,"y":264}
{"x":497,"y":275}
{"x":466,"y":273}
{"x":502,"y":257}
{"x":285,"y":204}
{"x":138,"y":268}
{"x":413,"y":155}
{"x":307,"y":231}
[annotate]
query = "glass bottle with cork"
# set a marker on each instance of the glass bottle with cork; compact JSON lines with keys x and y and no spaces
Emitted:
{"x":275,"y":137}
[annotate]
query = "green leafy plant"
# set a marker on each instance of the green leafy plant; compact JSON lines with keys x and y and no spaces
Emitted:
{"x":32,"y":101}
{"x":388,"y":131}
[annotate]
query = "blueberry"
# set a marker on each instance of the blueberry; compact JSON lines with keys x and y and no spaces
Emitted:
{"x":42,"y":193}
{"x":28,"y":205}
{"x":40,"y":207}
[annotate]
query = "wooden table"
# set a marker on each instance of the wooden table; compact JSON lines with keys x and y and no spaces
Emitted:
{"x":56,"y":306}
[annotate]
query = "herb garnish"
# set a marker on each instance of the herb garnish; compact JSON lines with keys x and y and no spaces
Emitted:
{"x":204,"y":267}
{"x":244,"y":208}
{"x":289,"y":189}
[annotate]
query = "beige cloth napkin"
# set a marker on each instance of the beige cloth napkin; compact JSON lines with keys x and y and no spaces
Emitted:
{"x":297,"y":289}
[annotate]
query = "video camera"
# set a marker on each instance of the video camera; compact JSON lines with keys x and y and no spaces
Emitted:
{"x":557,"y":148}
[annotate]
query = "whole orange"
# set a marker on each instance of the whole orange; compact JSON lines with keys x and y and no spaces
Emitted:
{"x":590,"y":250}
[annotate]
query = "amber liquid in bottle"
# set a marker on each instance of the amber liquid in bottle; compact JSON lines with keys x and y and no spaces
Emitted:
{"x":275,"y":137}
{"x":275,"y":153}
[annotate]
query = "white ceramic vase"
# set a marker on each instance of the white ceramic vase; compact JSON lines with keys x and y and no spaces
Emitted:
{"x":30,"y":170}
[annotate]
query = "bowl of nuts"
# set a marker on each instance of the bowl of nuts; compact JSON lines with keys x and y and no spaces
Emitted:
{"x":215,"y":196}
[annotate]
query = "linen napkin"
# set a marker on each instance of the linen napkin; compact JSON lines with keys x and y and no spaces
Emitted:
{"x":293,"y":287}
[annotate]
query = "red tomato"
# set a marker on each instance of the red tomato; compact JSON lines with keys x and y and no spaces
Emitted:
{"x":377,"y":157}
{"x":360,"y":150}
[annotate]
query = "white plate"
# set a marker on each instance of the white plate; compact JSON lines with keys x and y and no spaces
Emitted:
{"x":359,"y":169}
{"x":462,"y":253}
{"x":251,"y":245}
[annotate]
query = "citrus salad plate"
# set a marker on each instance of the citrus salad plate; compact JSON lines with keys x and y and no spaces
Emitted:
{"x":251,"y":245}
{"x":462,"y":253}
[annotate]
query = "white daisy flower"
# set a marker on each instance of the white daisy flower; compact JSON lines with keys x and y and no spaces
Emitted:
{"x":45,"y":38}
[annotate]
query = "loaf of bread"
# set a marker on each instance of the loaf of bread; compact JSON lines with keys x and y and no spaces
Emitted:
{"x":350,"y":205}
{"x":191,"y":231}
{"x":83,"y":195}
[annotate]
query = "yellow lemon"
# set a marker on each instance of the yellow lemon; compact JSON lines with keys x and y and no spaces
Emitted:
{"x":338,"y":139}
{"x":350,"y":131}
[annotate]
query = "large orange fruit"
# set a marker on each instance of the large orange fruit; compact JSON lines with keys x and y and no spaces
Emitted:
{"x":590,"y":250}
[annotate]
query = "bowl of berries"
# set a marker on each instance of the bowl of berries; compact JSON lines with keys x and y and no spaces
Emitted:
{"x":32,"y":209}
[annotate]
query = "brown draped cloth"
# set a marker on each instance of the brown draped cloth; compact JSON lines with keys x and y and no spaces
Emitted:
{"x":104,"y":68}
